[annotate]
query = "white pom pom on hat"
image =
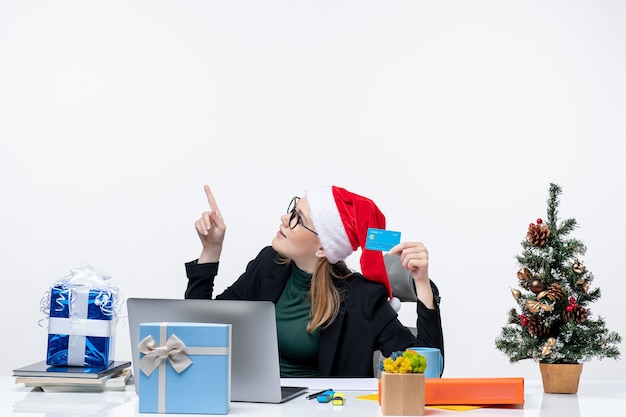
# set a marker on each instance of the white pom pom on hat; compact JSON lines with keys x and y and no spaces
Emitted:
{"x":341,"y":219}
{"x":395,"y":303}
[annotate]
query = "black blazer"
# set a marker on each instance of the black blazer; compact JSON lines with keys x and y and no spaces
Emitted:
{"x":365,"y":323}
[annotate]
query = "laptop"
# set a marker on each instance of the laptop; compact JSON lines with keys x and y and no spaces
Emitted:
{"x":255,"y":371}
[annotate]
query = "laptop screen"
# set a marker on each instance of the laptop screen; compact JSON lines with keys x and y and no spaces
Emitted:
{"x":255,"y":371}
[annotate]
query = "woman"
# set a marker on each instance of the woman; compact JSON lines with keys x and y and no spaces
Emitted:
{"x":330,"y":320}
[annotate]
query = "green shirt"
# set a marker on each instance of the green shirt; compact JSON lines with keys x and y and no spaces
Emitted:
{"x":297,"y":347}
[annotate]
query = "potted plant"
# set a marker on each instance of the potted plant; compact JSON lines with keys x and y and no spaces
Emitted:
{"x":552,"y":323}
{"x":402,"y":390}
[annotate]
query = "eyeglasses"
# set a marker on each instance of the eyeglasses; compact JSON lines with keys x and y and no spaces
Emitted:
{"x":295,"y":218}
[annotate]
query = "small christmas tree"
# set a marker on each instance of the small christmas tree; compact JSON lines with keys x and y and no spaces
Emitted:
{"x":554,"y":323}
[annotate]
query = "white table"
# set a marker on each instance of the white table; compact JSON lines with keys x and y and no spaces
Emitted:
{"x":594,"y":399}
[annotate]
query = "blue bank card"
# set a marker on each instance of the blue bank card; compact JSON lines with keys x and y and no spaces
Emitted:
{"x":383,"y":240}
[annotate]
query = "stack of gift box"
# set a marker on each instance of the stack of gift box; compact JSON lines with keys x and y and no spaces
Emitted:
{"x":82,"y":311}
{"x":184,"y":367}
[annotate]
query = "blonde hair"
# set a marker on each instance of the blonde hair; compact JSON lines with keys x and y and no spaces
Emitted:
{"x":324,"y":296}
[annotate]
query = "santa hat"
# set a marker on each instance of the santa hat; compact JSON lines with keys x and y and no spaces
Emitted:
{"x":341,"y":220}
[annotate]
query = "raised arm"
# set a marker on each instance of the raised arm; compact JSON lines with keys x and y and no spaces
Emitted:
{"x":211,"y":230}
{"x":414,"y":257}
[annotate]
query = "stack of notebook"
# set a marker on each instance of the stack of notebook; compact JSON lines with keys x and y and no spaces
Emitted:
{"x":74,"y":378}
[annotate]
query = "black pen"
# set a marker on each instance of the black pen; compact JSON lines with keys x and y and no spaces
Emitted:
{"x":316,"y":394}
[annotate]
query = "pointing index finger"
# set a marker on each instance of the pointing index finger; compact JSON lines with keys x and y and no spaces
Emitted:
{"x":210,"y":198}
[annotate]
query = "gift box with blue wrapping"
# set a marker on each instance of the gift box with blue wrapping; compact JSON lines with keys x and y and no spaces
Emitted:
{"x":184,"y":368}
{"x":82,"y":320}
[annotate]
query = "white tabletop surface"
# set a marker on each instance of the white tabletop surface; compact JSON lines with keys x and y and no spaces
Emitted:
{"x":594,"y":399}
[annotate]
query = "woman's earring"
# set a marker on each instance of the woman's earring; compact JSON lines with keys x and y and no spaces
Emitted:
{"x":319,"y":253}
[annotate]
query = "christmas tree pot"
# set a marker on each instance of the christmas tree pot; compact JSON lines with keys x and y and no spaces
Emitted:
{"x":560,"y":378}
{"x":402,"y":394}
{"x":552,"y":322}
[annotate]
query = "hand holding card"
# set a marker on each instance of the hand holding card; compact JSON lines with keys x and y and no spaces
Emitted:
{"x":382,"y":240}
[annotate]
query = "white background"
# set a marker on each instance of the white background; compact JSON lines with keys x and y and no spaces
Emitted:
{"x":454,"y":116}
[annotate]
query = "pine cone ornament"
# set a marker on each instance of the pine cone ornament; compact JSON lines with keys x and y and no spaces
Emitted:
{"x":537,"y":328}
{"x":554,"y":292}
{"x":538,"y":234}
{"x":578,"y":314}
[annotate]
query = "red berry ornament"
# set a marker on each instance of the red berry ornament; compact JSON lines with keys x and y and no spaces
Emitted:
{"x":524,"y":320}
